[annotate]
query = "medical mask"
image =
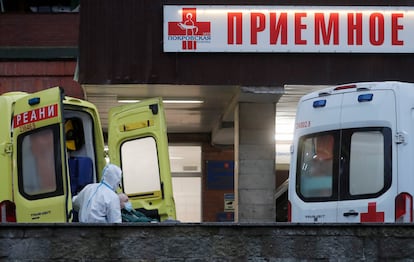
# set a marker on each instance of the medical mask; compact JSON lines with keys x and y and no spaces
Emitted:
{"x":128,"y":206}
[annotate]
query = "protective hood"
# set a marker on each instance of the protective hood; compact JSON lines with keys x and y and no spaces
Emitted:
{"x":112,"y":176}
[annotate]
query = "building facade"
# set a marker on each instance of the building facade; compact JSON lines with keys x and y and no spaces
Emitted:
{"x":109,"y":44}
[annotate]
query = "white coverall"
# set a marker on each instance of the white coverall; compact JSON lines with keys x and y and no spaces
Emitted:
{"x":98,"y":202}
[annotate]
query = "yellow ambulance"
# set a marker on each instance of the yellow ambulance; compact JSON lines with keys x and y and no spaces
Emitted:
{"x":52,"y":145}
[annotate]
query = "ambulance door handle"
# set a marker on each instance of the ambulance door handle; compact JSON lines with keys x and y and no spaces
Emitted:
{"x":350,"y":213}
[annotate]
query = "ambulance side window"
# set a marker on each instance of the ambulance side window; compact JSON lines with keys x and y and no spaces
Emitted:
{"x":38,"y":158}
{"x":141,"y":172}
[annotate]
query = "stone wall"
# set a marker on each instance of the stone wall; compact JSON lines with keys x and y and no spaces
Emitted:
{"x":205,"y":242}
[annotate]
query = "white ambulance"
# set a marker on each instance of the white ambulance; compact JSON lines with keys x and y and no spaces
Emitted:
{"x":353,"y":155}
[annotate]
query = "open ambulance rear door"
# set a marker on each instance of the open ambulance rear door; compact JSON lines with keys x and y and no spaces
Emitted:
{"x":39,"y":158}
{"x":137,"y":141}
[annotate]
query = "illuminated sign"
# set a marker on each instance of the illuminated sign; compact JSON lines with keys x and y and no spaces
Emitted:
{"x":310,"y":29}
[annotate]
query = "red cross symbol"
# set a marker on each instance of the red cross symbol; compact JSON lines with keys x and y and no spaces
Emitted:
{"x":189,"y":27}
{"x":372,"y":215}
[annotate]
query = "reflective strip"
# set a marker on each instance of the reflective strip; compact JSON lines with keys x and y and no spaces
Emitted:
{"x":136,"y":125}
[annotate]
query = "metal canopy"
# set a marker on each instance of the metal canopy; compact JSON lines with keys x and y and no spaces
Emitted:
{"x":214,"y":115}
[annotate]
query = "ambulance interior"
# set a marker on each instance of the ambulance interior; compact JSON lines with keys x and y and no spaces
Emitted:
{"x":317,"y":168}
{"x":80,"y":150}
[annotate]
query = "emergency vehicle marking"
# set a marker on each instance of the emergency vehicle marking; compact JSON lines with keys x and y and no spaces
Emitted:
{"x":39,"y":214}
{"x":372,"y":215}
{"x":35,"y":115}
{"x":189,"y":30}
{"x":28,"y":127}
{"x":303,"y":124}
{"x":315,"y":218}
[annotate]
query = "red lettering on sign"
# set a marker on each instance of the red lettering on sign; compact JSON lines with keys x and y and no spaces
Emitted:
{"x":327,"y":32}
{"x":376,"y":29}
{"x":355,"y":29}
{"x":278,"y":27}
{"x":372,"y":215}
{"x":257,"y":21}
{"x":394,"y":29}
{"x":35,"y":115}
{"x":234,"y":25}
{"x":299,"y":27}
{"x":325,"y":26}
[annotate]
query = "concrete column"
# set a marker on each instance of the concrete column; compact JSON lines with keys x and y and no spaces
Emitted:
{"x":255,"y":162}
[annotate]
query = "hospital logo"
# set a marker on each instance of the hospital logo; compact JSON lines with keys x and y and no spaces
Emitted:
{"x":189,"y":30}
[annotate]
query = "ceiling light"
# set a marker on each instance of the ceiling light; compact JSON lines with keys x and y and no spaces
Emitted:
{"x":183,"y":101}
{"x":127,"y":101}
{"x":164,"y":101}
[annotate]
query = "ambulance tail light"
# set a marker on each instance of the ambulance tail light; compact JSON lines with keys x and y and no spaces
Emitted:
{"x":404,"y":208}
{"x":289,"y":211}
{"x":344,"y":87}
{"x":7,"y":211}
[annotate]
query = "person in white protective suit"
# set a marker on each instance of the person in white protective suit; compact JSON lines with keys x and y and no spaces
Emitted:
{"x":99,"y":202}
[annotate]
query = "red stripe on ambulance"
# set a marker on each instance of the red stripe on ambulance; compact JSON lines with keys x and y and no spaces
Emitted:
{"x":35,"y":115}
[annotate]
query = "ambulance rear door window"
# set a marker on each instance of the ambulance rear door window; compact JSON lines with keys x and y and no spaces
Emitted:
{"x":38,"y":161}
{"x":140,"y":167}
{"x":366,"y":164}
{"x":367,"y":157}
{"x":317,"y":168}
{"x":346,"y":164}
